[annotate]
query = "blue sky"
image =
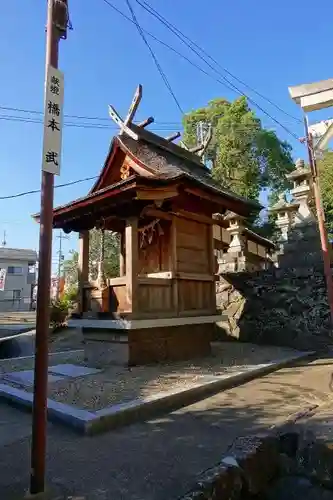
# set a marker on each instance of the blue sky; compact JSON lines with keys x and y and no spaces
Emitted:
{"x":266,"y":44}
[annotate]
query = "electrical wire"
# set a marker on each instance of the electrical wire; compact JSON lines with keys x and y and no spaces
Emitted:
{"x":230,"y":84}
{"x":141,"y":31}
{"x":170,"y":25}
{"x":157,"y":64}
{"x":78,"y":117}
{"x":102,"y":126}
{"x":160,"y":41}
{"x":35,"y":191}
{"x":122,"y":14}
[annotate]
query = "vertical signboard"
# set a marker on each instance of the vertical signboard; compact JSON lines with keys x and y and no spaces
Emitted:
{"x":3,"y":273}
{"x":53,"y":119}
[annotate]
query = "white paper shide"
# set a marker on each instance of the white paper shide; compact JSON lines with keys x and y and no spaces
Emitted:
{"x":53,"y":118}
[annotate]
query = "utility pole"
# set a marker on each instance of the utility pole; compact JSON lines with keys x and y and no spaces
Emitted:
{"x":4,"y":242}
{"x":320,"y":217}
{"x":57,"y":22}
{"x":314,"y":97}
{"x":60,"y":259}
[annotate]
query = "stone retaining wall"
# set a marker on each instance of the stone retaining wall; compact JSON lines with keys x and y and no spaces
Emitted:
{"x":285,"y":465}
{"x":286,"y":306}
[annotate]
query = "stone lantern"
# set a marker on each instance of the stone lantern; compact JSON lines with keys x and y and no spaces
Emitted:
{"x":236,"y":229}
{"x":234,"y":259}
{"x":302,"y":192}
{"x":302,"y":247}
{"x":285,"y":216}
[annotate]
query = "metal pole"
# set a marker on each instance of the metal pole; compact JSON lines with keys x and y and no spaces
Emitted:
{"x":320,"y":218}
{"x":38,"y":447}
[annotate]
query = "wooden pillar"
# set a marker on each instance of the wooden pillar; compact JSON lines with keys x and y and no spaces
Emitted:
{"x":122,"y":270}
{"x":213,"y":267}
{"x":131,"y":263}
{"x":83,"y":267}
{"x":174,"y":264}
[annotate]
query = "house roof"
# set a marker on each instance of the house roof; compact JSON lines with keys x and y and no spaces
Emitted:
{"x":18,"y":254}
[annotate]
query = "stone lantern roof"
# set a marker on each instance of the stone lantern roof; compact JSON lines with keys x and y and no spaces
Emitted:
{"x":301,"y":171}
{"x":232,"y":216}
{"x":302,"y":180}
{"x":283,"y":205}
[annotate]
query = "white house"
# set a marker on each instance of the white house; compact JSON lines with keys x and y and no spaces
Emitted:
{"x":17,"y":278}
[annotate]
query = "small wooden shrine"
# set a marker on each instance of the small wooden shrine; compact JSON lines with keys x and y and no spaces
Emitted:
{"x":161,"y":199}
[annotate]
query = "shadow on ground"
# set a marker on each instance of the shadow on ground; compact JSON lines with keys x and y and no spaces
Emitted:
{"x":160,"y":459}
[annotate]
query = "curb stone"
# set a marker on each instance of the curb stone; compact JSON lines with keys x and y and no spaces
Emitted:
{"x":93,"y":422}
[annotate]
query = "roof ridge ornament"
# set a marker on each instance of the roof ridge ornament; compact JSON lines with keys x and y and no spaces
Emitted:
{"x":125,"y":125}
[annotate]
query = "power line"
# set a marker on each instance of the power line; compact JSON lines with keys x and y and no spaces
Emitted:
{"x":78,"y":117}
{"x":35,"y":191}
{"x":102,"y":126}
{"x":157,"y":64}
{"x":230,"y":87}
{"x":177,"y":32}
{"x":167,"y":23}
{"x":169,"y":47}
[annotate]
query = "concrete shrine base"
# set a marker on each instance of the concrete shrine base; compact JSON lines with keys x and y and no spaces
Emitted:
{"x":137,"y":342}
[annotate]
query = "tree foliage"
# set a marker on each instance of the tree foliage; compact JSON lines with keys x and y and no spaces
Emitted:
{"x":325,"y":167}
{"x":111,"y":257}
{"x":244,"y":156}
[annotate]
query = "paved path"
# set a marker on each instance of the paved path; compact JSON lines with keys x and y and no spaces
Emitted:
{"x":160,"y":459}
{"x":15,"y":425}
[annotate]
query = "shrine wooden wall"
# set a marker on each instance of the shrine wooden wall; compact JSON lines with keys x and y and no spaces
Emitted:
{"x":176,"y":271}
{"x":194,"y":268}
{"x":155,"y":293}
{"x":155,"y":256}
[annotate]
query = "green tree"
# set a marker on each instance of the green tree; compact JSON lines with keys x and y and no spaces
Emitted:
{"x":325,"y":167}
{"x":244,"y":156}
{"x":111,"y":257}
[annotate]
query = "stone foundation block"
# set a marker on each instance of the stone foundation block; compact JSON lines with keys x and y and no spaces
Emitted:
{"x":99,"y":352}
{"x":219,"y":483}
{"x":174,"y":343}
{"x":258,"y":459}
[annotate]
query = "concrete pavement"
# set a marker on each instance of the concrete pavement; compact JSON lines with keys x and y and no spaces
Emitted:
{"x":160,"y":459}
{"x":14,"y":425}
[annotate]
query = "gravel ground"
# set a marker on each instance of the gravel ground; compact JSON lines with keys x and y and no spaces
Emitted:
{"x":119,"y":384}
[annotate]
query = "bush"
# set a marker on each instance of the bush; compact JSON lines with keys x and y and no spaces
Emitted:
{"x":61,"y":308}
{"x":71,"y":295}
{"x":59,"y":312}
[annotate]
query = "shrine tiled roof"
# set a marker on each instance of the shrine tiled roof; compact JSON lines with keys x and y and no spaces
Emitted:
{"x":161,"y":162}
{"x":169,"y":161}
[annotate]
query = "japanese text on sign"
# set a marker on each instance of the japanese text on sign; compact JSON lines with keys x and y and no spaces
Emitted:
{"x":54,"y":97}
{"x":3,"y":273}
